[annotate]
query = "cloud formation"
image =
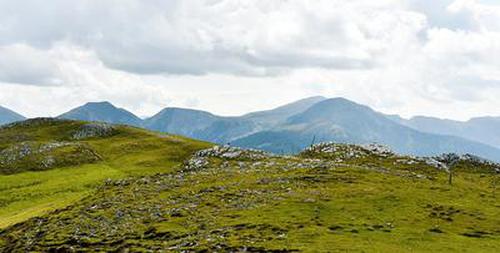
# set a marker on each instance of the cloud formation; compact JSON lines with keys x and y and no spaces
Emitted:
{"x":201,"y":37}
{"x":400,"y":56}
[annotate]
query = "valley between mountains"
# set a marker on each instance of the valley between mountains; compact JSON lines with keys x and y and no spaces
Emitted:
{"x":79,"y":186}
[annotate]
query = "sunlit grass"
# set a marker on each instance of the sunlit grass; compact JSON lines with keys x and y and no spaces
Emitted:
{"x":133,"y":152}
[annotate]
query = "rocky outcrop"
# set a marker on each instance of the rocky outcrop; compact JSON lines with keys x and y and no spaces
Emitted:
{"x":201,"y":158}
{"x":343,"y":152}
{"x":32,"y":156}
{"x":228,"y":152}
{"x":93,"y":130}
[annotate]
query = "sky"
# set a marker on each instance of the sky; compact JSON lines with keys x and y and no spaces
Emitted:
{"x":409,"y":57}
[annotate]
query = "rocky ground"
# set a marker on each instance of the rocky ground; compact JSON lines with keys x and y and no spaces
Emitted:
{"x":226,"y":199}
{"x":94,"y":130}
{"x":34,"y":156}
{"x":29,"y":152}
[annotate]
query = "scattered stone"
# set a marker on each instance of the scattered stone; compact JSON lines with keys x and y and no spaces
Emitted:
{"x":196,"y":163}
{"x":436,"y":229}
{"x":231,"y":153}
{"x":92,"y":130}
{"x":35,"y":156}
{"x":343,"y":152}
{"x":378,"y":149}
{"x":476,"y":234}
{"x":335,"y":227}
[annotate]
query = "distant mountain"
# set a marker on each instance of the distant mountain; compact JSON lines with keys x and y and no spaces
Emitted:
{"x":484,"y":129}
{"x":9,"y":116}
{"x":206,"y":126}
{"x":180,"y":121}
{"x":102,"y":111}
{"x":200,"y":125}
{"x":342,"y":120}
{"x":279,"y":115}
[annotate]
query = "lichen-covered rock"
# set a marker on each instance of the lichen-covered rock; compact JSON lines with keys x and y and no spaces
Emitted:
{"x":228,"y":152}
{"x":196,"y":163}
{"x":431,"y":161}
{"x":342,"y":152}
{"x":378,"y":149}
{"x":92,"y":130}
{"x":33,"y":156}
{"x":201,"y":160}
{"x":15,"y":152}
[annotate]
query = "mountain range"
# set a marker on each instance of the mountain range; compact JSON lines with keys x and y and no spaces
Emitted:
{"x":481,"y":129}
{"x":290,"y":128}
{"x":341,"y":120}
{"x":206,"y":126}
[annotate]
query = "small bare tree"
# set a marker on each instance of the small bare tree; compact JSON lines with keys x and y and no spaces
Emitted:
{"x":313,"y":141}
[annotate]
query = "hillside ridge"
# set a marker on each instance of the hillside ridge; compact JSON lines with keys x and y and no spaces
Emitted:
{"x":229,"y":199}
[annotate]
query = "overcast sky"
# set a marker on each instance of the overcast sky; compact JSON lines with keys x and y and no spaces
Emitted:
{"x":411,"y":57}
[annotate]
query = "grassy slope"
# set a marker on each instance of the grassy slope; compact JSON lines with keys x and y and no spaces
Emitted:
{"x":132,"y":152}
{"x":278,"y":204}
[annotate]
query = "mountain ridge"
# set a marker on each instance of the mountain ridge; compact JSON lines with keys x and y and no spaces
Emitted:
{"x":342,"y":120}
{"x":292,"y":127}
{"x":481,"y":129}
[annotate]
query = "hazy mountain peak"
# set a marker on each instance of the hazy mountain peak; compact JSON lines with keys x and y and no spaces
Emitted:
{"x":171,"y":110}
{"x":102,"y":111}
{"x":99,"y":104}
{"x":340,"y":101}
{"x":280,"y":114}
{"x":333,"y":109}
{"x":8,"y":116}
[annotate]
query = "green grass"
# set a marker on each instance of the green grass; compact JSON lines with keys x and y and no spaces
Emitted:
{"x":29,"y":194}
{"x":277,"y":206}
{"x":132,"y":152}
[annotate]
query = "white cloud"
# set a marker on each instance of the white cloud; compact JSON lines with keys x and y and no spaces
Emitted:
{"x":23,"y":64}
{"x":200,"y":37}
{"x":402,"y":56}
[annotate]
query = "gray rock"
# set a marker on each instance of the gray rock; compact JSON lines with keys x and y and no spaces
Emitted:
{"x":93,"y":130}
{"x":228,"y":152}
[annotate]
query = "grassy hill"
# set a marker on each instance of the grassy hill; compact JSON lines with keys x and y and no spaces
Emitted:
{"x":46,"y":164}
{"x":331,"y":197}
